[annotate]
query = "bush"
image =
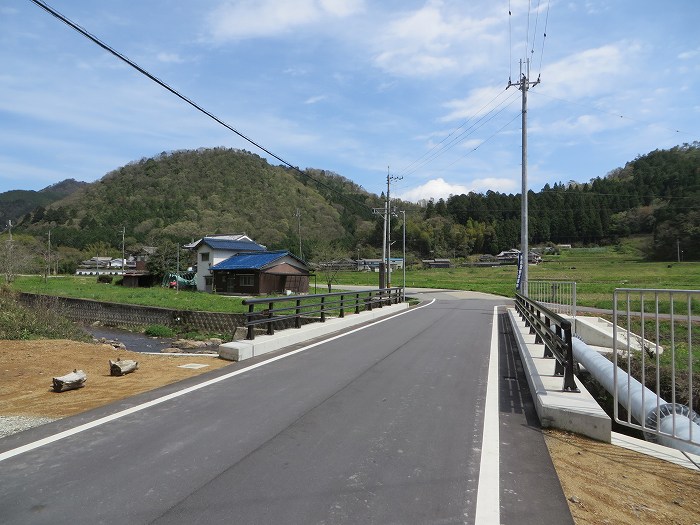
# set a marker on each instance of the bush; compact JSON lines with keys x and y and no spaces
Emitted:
{"x":43,"y":321}
{"x":158,"y":330}
{"x":106,"y":279}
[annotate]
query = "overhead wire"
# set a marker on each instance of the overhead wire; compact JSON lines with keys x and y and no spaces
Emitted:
{"x":544,"y":39}
{"x":646,"y":122}
{"x":464,"y":135}
{"x":432,"y":154}
{"x":184,"y":98}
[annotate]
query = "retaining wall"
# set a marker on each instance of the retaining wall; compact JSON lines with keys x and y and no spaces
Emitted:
{"x":129,"y":315}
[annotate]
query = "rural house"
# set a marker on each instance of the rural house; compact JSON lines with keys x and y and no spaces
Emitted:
{"x":259,"y":273}
{"x":214,"y":249}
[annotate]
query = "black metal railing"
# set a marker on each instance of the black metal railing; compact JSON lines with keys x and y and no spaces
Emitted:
{"x":554,"y":332}
{"x":316,"y":306}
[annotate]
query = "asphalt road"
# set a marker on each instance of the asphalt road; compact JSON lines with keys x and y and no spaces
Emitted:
{"x":383,"y":425}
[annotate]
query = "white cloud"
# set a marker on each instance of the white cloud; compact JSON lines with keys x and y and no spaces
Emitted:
{"x":434,"y":189}
{"x":592,"y":71}
{"x":316,"y":99}
{"x":435,"y":39}
{"x":170,"y":58}
{"x":241,"y":19}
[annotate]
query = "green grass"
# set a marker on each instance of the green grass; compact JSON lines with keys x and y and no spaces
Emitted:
{"x":596,"y":271}
{"x":89,"y":288}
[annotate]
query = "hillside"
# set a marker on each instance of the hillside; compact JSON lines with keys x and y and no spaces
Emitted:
{"x":184,"y":195}
{"x":17,"y":203}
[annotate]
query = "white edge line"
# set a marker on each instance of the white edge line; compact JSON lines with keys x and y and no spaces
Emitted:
{"x":488,"y":500}
{"x":118,"y":415}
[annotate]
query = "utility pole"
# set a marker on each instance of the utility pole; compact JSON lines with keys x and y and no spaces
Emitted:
{"x":48,"y":258}
{"x":9,"y":252}
{"x":524,"y":85}
{"x":297,"y":214}
{"x":123,"y":254}
{"x":389,"y":211}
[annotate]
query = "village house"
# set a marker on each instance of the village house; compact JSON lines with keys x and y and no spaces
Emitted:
{"x":259,"y":273}
{"x":214,"y":249}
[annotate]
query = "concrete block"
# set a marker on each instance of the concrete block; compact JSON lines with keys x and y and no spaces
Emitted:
{"x":263,"y":344}
{"x":573,"y":411}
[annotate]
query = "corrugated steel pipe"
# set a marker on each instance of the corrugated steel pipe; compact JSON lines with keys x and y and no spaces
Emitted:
{"x":642,"y":401}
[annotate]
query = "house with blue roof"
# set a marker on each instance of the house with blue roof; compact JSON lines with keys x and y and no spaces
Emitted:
{"x":258,"y":273}
{"x":214,"y":249}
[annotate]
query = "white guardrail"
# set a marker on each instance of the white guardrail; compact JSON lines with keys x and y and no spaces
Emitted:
{"x":558,"y":296}
{"x":655,"y":345}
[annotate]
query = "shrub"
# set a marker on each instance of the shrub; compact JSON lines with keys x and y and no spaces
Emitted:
{"x":158,"y":330}
{"x":42,"y":321}
{"x":106,"y":279}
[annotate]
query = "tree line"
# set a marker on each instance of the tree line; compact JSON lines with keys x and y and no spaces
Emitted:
{"x":177,"y":197}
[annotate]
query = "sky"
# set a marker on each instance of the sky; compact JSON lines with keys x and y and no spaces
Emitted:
{"x":414,"y":89}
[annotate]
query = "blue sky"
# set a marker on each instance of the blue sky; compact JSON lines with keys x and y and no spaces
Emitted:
{"x":351,"y":86}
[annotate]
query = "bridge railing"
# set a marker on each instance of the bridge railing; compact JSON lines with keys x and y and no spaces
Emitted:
{"x":552,"y":330}
{"x":318,"y":306}
{"x":653,"y":342}
{"x":558,"y":296}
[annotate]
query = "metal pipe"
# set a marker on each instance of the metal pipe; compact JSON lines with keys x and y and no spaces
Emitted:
{"x":641,"y":402}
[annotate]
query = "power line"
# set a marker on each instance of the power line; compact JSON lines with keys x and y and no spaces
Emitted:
{"x":646,"y":122}
{"x":406,"y":169}
{"x":479,"y":123}
{"x":189,"y":101}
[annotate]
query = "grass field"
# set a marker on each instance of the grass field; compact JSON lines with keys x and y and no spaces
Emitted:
{"x":596,"y":271}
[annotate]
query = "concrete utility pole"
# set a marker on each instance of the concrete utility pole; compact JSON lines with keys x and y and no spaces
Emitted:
{"x":523,"y":85}
{"x":387,"y":236}
{"x":297,"y":214}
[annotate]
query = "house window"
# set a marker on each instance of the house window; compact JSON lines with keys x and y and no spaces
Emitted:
{"x":246,"y":280}
{"x":205,"y":256}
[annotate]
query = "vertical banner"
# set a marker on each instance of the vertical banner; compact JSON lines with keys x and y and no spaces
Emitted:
{"x":520,"y":272}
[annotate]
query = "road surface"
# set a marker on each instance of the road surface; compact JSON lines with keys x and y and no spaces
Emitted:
{"x":396,"y":422}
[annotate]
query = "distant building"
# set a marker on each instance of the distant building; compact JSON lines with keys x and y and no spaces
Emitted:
{"x":213,"y":249}
{"x":372,"y":265}
{"x":437,"y":263}
{"x":258,"y":273}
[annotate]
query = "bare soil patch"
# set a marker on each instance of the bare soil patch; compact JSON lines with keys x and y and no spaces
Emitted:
{"x":27,"y":368}
{"x":603,"y":483}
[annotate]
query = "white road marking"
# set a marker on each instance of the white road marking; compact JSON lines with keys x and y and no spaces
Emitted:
{"x":118,"y":415}
{"x":488,"y":500}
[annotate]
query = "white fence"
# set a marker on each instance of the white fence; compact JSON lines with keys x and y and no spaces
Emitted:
{"x":656,"y":329}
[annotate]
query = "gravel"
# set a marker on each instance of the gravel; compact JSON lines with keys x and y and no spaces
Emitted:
{"x":13,"y":424}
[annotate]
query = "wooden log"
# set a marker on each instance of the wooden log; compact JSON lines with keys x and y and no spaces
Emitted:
{"x":119,"y":367}
{"x":71,"y":381}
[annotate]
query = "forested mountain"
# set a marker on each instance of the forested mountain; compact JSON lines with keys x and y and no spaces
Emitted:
{"x":183,"y":195}
{"x":657,"y":193}
{"x":16,"y":203}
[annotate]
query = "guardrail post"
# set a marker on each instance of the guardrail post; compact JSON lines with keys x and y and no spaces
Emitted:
{"x":251,"y":331}
{"x":323,"y":309}
{"x":297,"y":312}
{"x":357,"y":303}
{"x":369,"y":302}
{"x":569,"y":382}
{"x":270,"y":325}
{"x":342,"y":306}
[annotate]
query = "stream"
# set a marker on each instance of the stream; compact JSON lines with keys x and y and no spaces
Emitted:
{"x":134,"y":341}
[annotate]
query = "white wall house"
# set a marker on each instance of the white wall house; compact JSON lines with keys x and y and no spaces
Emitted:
{"x":214,"y":249}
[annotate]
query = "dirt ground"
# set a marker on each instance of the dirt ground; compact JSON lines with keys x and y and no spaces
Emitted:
{"x":604,"y":484}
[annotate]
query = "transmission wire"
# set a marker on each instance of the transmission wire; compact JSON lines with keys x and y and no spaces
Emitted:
{"x":189,"y":101}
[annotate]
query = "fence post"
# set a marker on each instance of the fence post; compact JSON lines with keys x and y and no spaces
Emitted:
{"x":357,"y":303}
{"x":270,"y":325}
{"x":342,"y":306}
{"x":251,"y":331}
{"x":569,"y":382}
{"x":323,"y":309}
{"x":297,"y":312}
